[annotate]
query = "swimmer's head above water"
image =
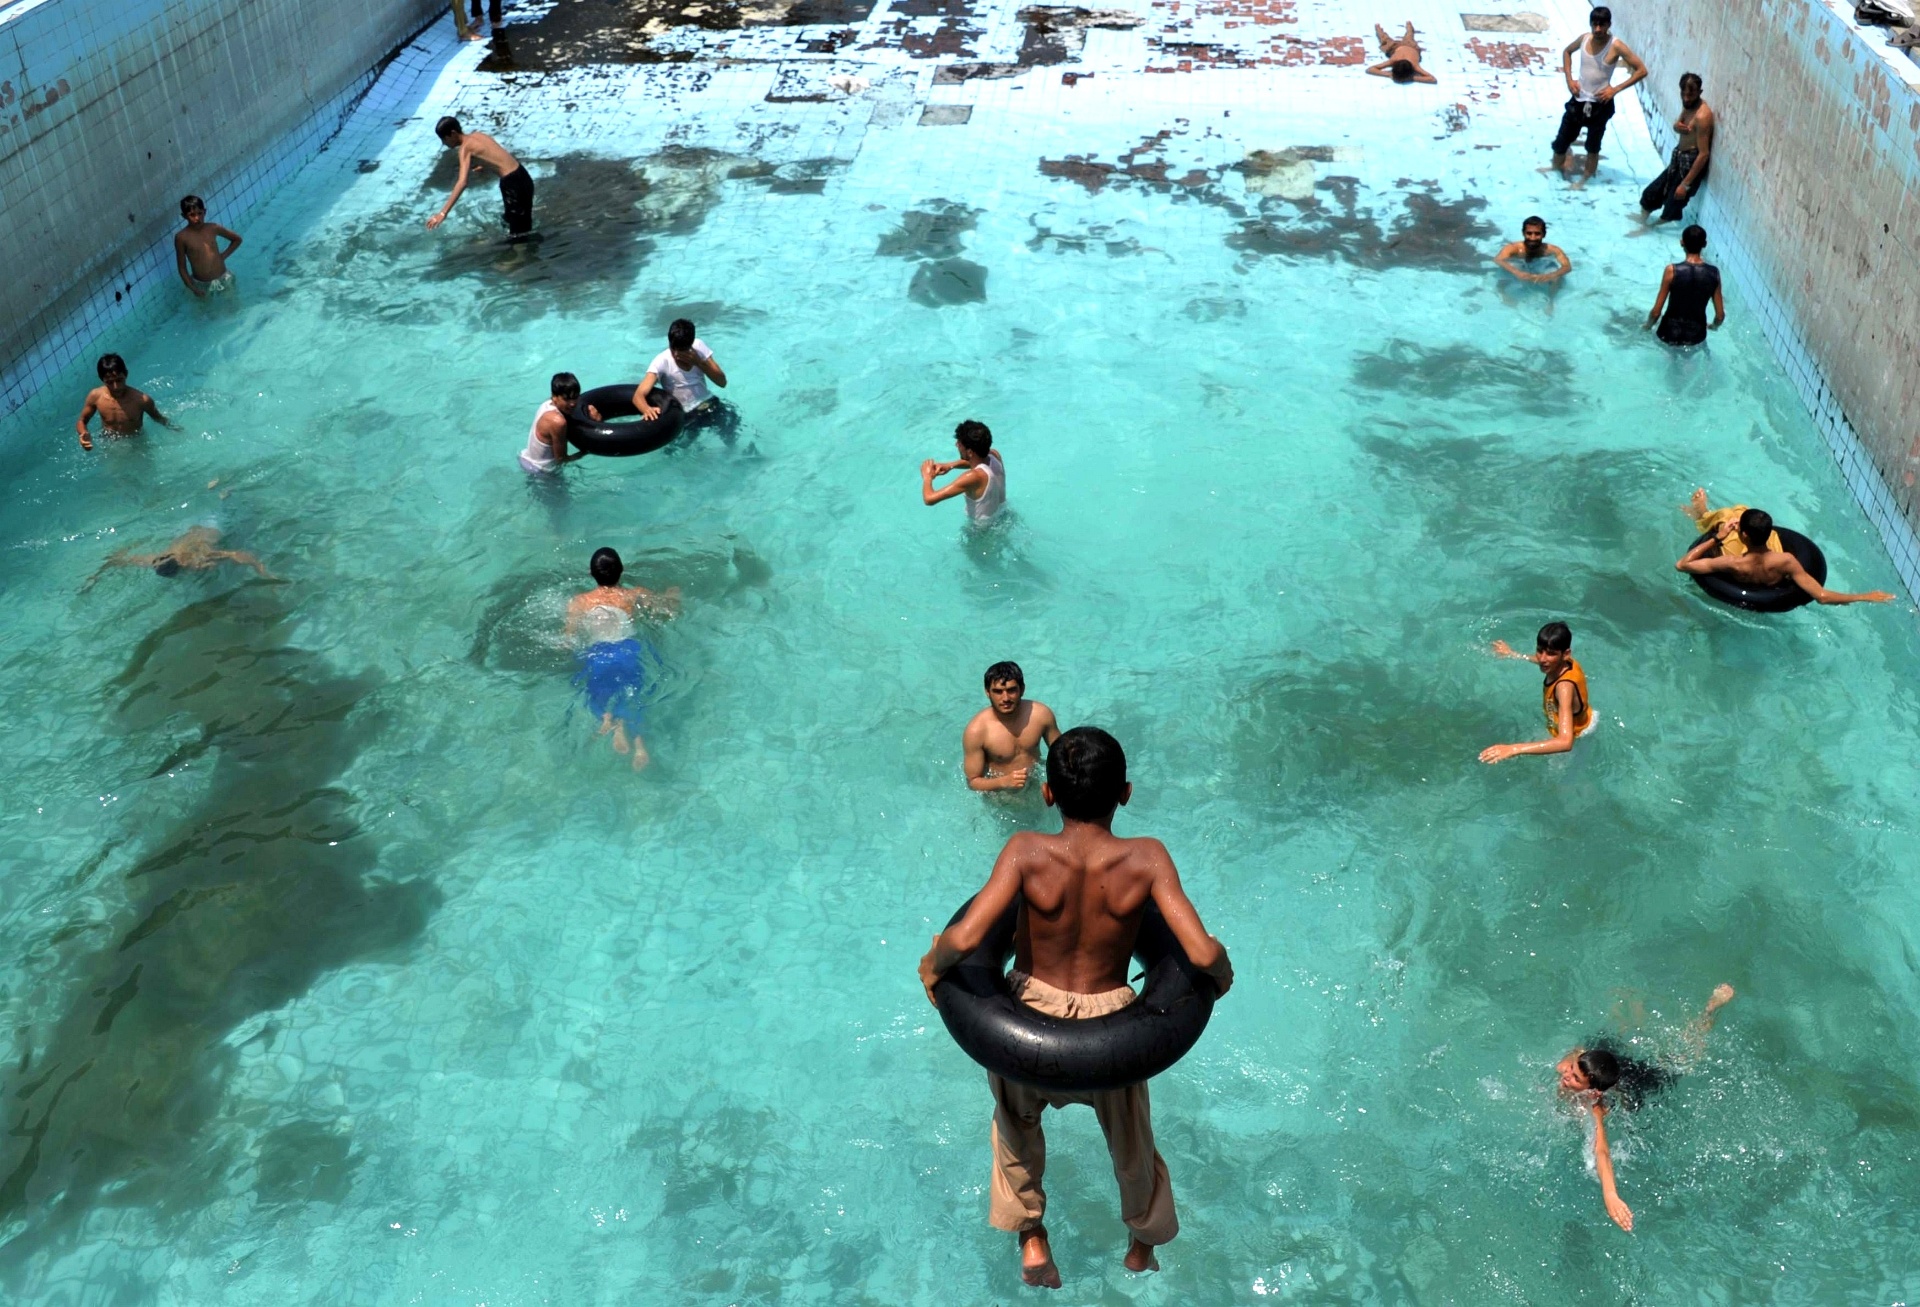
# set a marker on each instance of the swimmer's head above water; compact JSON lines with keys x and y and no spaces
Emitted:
{"x":1533,"y":235}
{"x":1006,"y":686}
{"x":1554,"y":644}
{"x":680,"y":337}
{"x":565,"y":390}
{"x":111,"y":366}
{"x":1087,"y":775}
{"x":1694,"y":239}
{"x":448,"y":130}
{"x":606,"y":567}
{"x":974,"y":441}
{"x":1755,"y":526}
{"x":1585,"y":1069}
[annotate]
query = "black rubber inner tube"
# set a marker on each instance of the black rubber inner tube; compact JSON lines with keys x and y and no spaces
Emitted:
{"x":1768,"y":598}
{"x":1123,"y":1048}
{"x":620,"y":439}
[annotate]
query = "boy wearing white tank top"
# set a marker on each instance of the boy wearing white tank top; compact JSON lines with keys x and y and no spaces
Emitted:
{"x":984,"y":483}
{"x":1592,"y":88}
{"x":547,"y":438}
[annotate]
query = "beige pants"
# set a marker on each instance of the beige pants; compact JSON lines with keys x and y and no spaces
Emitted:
{"x":1020,"y":1146}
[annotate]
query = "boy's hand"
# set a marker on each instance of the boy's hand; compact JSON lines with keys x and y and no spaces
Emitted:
{"x":1497,"y":753}
{"x":1622,"y":1214}
{"x":1503,"y":649}
{"x":86,"y":442}
{"x":436,"y":220}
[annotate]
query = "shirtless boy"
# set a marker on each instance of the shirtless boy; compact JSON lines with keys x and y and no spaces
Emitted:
{"x":1532,"y":248}
{"x":122,"y":409}
{"x":1402,"y":62}
{"x":613,"y":664}
{"x":1563,"y":697}
{"x":1002,"y":742}
{"x":516,"y":186}
{"x":1758,"y":560}
{"x":193,"y":552}
{"x":197,"y":253}
{"x":1086,"y":891}
{"x":1589,"y":1075}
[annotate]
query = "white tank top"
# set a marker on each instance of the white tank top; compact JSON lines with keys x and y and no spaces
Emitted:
{"x":994,"y":497}
{"x":1596,"y":74}
{"x":538,"y":455}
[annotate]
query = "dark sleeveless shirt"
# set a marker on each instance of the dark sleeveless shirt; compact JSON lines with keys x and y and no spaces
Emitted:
{"x":1685,"y":322}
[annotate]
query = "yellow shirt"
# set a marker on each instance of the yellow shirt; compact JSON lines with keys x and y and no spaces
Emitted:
{"x":1582,"y":710}
{"x":1733,"y":546}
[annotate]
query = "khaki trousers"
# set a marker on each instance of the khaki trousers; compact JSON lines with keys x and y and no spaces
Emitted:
{"x":1020,"y":1146}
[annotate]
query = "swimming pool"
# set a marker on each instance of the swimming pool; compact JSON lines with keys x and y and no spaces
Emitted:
{"x":352,"y":968}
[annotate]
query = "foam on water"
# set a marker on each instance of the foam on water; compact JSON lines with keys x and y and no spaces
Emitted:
{"x":350,"y":967}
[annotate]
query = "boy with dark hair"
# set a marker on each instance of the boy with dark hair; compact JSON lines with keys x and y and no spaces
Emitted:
{"x":516,"y":184}
{"x":122,"y":409}
{"x":1588,"y":1075}
{"x":1686,"y":288}
{"x":1592,"y":90}
{"x":547,"y":439}
{"x":1756,"y":559}
{"x":1085,"y":892}
{"x":196,"y":550}
{"x":984,"y":482}
{"x":1564,"y":697}
{"x":614,"y":665}
{"x":1002,"y":742}
{"x":1532,"y":248}
{"x":1402,"y":62}
{"x":197,"y":255}
{"x":683,"y":370}
{"x":1692,"y":159}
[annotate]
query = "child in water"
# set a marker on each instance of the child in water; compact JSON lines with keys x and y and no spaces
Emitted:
{"x":1564,"y":697}
{"x":1589,"y":1075}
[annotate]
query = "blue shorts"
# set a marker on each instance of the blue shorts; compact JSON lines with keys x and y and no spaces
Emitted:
{"x":618,"y":677}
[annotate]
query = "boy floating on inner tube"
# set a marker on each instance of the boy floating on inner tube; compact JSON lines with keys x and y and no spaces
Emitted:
{"x":1002,"y":742}
{"x":1751,"y":554}
{"x":1589,"y":1075}
{"x":1564,"y":697}
{"x":1086,"y":891}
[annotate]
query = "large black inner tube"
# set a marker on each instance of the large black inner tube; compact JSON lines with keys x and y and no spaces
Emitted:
{"x":621,"y":439}
{"x":1123,"y":1048}
{"x":1767,"y":598}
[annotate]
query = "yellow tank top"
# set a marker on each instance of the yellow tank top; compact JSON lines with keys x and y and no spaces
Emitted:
{"x":1582,"y":710}
{"x":1733,"y":546}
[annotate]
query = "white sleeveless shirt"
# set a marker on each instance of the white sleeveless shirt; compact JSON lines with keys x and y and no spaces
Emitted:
{"x":994,"y":497}
{"x":538,"y":455}
{"x":1596,"y":74}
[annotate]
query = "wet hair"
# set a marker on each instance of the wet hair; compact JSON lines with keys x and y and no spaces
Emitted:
{"x":1535,"y":221}
{"x":1403,"y":70}
{"x":974,"y":437}
{"x":1756,"y":524}
{"x":1087,"y":772}
{"x":680,"y":334}
{"x":1601,"y":15}
{"x":167,"y":565}
{"x":188,"y":202}
{"x":606,"y":566}
{"x":1554,"y":637}
{"x":1698,"y":85}
{"x":1005,"y":671}
{"x":564,"y":386}
{"x":1632,"y":1081}
{"x":1694,"y":238}
{"x":448,"y":126}
{"x":110,"y":363}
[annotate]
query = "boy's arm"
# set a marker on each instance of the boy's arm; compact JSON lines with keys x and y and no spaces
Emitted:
{"x":966,"y":934}
{"x":958,"y":486}
{"x":245,"y":559}
{"x":640,"y":393}
{"x":1822,"y":595}
{"x":1562,"y":741}
{"x":180,"y":262}
{"x":1380,"y":70}
{"x":152,"y":410}
{"x":1050,"y":732}
{"x":1719,"y":309}
{"x":1501,"y":649}
{"x":459,"y":186}
{"x":1566,"y":64}
{"x":1703,"y":132}
{"x":974,"y":763}
{"x":229,"y":235}
{"x":87,"y":410}
{"x":1603,"y":1163}
{"x":1634,"y":66}
{"x":1566,"y":264}
{"x":1505,"y":254}
{"x":1183,"y":919}
{"x":1660,"y":301}
{"x":711,"y":366}
{"x":1420,"y":74}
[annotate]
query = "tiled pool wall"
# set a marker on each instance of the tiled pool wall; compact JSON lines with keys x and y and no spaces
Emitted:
{"x":111,"y":110}
{"x":1813,"y":209}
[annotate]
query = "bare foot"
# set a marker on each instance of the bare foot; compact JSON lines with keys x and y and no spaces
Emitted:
{"x":1697,"y":506}
{"x":1722,"y":995}
{"x":620,"y":744}
{"x":1036,"y":1260}
{"x":606,"y":724}
{"x":1140,"y":1258}
{"x":640,"y":755}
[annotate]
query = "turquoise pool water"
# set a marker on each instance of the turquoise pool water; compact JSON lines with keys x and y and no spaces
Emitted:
{"x":349,"y":967}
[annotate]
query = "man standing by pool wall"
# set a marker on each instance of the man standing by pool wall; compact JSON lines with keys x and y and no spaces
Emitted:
{"x":1692,"y":157}
{"x":1086,"y":891}
{"x":516,"y":184}
{"x":1592,"y":88}
{"x":1002,"y":742}
{"x":1563,"y":697}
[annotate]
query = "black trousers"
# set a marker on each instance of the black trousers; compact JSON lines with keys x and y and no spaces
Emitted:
{"x":1659,"y":192}
{"x":1591,"y":116}
{"x":516,"y":197}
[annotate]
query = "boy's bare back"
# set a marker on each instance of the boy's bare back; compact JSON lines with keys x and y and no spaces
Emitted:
{"x":1086,"y":891}
{"x":482,"y":148}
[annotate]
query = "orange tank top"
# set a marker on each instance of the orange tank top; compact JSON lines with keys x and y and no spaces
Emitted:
{"x":1582,"y":710}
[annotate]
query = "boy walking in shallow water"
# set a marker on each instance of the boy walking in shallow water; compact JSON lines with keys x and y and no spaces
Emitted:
{"x":1564,"y":697}
{"x":516,"y":186}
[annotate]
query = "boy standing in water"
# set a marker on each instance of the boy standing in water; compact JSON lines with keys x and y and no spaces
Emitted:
{"x":516,"y":186}
{"x":683,"y":370}
{"x":1002,"y":742}
{"x":984,"y":482}
{"x":197,"y":253}
{"x":122,"y":409}
{"x":1564,"y":697}
{"x":1587,"y":1075}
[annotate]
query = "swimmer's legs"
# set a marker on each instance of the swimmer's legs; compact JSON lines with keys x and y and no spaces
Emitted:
{"x":1140,"y":1257}
{"x":640,"y":755}
{"x":1698,"y":508}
